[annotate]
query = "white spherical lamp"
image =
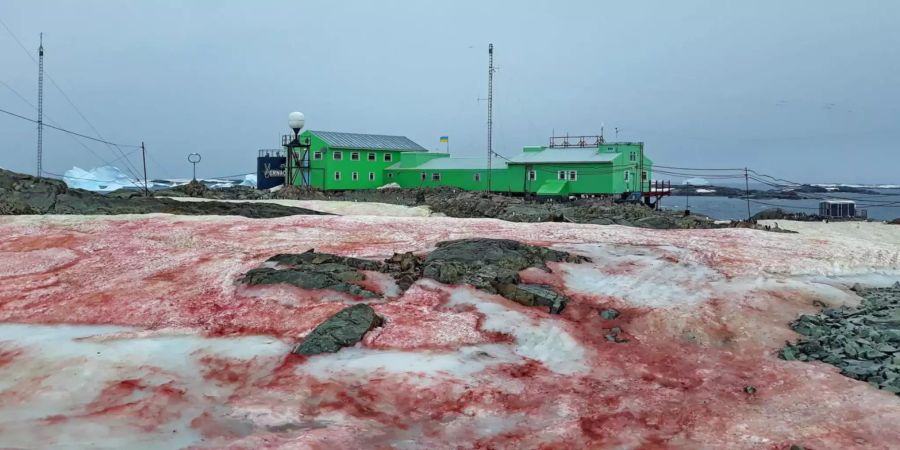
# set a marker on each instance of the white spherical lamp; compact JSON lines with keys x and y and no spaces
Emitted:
{"x":296,"y":120}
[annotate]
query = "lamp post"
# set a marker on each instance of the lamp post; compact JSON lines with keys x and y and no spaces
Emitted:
{"x":194,"y":158}
{"x":296,"y":120}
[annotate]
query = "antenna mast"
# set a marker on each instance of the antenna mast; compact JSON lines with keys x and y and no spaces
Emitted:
{"x":490,"y":124}
{"x":40,"y":119}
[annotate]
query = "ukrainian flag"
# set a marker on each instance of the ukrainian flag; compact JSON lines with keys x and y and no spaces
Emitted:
{"x":445,"y":139}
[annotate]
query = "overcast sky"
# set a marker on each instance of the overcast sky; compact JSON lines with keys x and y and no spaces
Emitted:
{"x":806,"y":90}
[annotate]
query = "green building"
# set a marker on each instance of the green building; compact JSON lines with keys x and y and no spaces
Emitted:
{"x":345,"y":161}
{"x":568,"y":166}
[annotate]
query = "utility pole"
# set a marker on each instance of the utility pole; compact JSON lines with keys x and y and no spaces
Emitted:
{"x":40,"y":120}
{"x":144,"y":158}
{"x":490,"y":124}
{"x":747,"y":191}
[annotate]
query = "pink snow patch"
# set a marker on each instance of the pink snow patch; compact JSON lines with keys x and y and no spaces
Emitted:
{"x":171,"y":351}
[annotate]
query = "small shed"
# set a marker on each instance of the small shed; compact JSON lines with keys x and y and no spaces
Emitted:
{"x":837,"y":208}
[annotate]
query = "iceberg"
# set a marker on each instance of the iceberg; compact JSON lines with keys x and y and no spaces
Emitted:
{"x":100,"y":179}
{"x":696,"y":182}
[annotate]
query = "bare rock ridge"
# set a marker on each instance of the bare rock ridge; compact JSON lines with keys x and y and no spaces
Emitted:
{"x":343,"y":329}
{"x":863,"y":342}
{"x":25,"y":194}
{"x":490,"y":265}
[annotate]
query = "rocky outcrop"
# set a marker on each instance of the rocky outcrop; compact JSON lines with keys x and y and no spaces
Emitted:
{"x":863,"y":342}
{"x":25,"y":194}
{"x":493,"y":265}
{"x":343,"y":329}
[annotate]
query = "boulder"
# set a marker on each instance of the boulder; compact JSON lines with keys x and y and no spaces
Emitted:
{"x":343,"y":329}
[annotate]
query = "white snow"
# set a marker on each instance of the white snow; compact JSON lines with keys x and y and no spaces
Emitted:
{"x":100,"y":179}
{"x":423,"y":366}
{"x":73,"y":364}
{"x":341,"y":208}
{"x":545,"y":341}
{"x":705,"y":191}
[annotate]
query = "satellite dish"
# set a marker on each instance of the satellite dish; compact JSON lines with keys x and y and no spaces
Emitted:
{"x":296,"y":120}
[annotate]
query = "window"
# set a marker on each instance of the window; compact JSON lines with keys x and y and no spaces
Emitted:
{"x":371,"y":156}
{"x":423,"y":176}
{"x":337,"y":156}
{"x":354,"y":176}
{"x":436,"y":176}
{"x":391,"y":175}
{"x":388,"y":157}
{"x":317,"y":155}
{"x":626,"y":176}
{"x":632,"y":156}
{"x":532,"y":175}
{"x":371,"y":176}
{"x":573,"y":175}
{"x":477,"y":177}
{"x":561,"y":175}
{"x":644,"y":175}
{"x":354,"y":156}
{"x":337,"y":176}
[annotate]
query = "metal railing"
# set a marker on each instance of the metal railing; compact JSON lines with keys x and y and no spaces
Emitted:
{"x":271,"y":152}
{"x":575,"y":141}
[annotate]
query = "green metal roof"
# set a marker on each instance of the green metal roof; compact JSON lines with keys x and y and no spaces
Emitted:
{"x":450,"y":163}
{"x":368,"y":141}
{"x":564,"y":155}
{"x":554,"y":187}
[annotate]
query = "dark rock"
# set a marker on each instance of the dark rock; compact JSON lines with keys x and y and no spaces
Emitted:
{"x":485,"y":263}
{"x":749,"y":390}
{"x":343,"y":329}
{"x":534,"y":295}
{"x":862,"y":342}
{"x":311,"y":270}
{"x":609,"y":314}
{"x":406,"y":268}
{"x":493,"y":266}
{"x":24,"y":194}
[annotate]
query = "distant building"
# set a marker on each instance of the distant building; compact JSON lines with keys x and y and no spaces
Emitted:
{"x":837,"y":208}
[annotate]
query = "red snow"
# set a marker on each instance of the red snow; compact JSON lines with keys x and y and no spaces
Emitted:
{"x":678,"y":381}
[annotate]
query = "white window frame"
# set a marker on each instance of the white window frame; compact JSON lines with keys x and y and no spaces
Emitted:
{"x":372,"y":156}
{"x":337,"y":155}
{"x":354,"y":176}
{"x":371,"y":176}
{"x":573,"y":175}
{"x":561,"y":175}
{"x":354,"y":156}
{"x":436,"y":176}
{"x":532,"y":175}
{"x":337,"y":176}
{"x":477,"y":177}
{"x":388,"y":157}
{"x":317,"y":156}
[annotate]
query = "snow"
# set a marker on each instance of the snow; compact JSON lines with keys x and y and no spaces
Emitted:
{"x":343,"y":208}
{"x":705,"y":191}
{"x":100,"y":179}
{"x":172,"y":352}
{"x":541,"y":340}
{"x":79,"y":371}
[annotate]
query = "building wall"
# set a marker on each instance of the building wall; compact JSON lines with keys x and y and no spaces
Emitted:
{"x":459,"y":178}
{"x":322,"y":171}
